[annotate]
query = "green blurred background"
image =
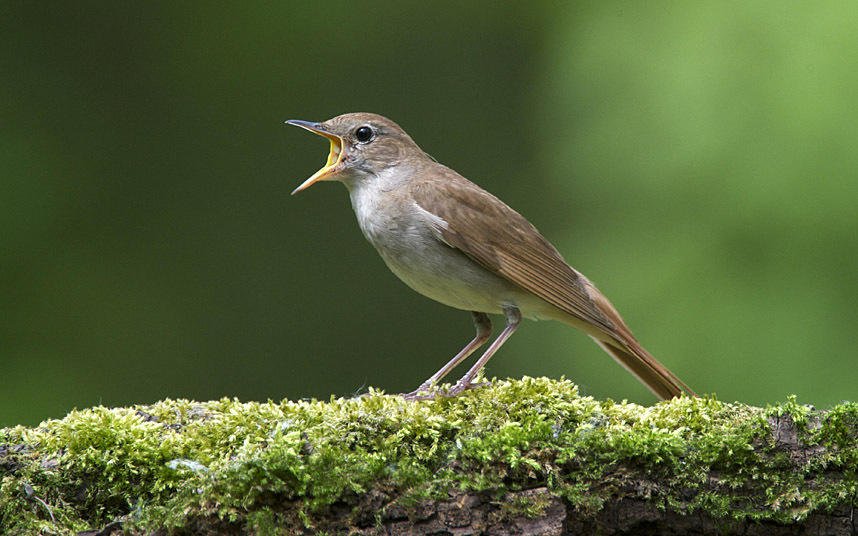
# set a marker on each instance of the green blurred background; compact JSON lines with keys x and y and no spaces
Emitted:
{"x":698,"y":161}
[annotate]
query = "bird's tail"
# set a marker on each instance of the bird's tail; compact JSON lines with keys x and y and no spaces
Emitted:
{"x":622,"y":346}
{"x":655,"y":376}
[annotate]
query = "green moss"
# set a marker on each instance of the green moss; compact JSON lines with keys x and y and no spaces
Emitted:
{"x":528,"y":507}
{"x":279,"y":467}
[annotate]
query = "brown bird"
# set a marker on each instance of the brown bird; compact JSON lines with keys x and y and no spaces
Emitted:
{"x":454,"y":242}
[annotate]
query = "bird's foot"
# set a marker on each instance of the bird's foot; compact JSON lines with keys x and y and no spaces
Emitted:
{"x":420,"y":395}
{"x":431,"y":391}
{"x":461,"y":387}
{"x":427,"y":391}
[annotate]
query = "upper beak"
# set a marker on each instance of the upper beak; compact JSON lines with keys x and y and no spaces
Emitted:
{"x":334,"y":158}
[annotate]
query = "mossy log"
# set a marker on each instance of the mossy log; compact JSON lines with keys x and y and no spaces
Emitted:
{"x":524,"y":457}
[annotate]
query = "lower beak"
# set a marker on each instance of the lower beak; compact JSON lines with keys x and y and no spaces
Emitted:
{"x":335,"y":157}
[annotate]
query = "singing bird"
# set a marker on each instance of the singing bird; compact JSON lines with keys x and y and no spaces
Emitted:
{"x":454,"y":242}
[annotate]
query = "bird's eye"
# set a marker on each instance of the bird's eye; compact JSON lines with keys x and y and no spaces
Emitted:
{"x":363,"y":134}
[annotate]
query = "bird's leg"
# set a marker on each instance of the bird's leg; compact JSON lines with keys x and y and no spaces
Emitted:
{"x":484,"y":331}
{"x":513,"y":319}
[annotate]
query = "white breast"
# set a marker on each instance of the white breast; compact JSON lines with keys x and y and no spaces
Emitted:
{"x":407,"y":238}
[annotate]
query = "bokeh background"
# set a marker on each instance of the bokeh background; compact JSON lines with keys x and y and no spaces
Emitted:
{"x":698,"y":161}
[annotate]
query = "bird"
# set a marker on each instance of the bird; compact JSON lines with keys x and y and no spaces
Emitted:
{"x":456,"y":243}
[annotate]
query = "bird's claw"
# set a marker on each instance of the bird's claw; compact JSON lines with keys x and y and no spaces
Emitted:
{"x":431,"y":392}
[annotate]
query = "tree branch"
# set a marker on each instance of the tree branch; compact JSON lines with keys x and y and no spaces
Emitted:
{"x":517,"y":457}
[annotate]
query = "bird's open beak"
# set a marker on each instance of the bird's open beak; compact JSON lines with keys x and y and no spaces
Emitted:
{"x":335,"y":157}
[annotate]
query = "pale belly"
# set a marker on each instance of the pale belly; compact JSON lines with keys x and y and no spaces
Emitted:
{"x":450,"y":277}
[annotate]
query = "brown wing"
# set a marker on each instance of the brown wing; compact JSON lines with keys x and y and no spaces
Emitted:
{"x":511,"y":246}
{"x":500,"y":239}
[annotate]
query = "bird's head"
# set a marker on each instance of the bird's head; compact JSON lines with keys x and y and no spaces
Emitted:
{"x":363,"y":145}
